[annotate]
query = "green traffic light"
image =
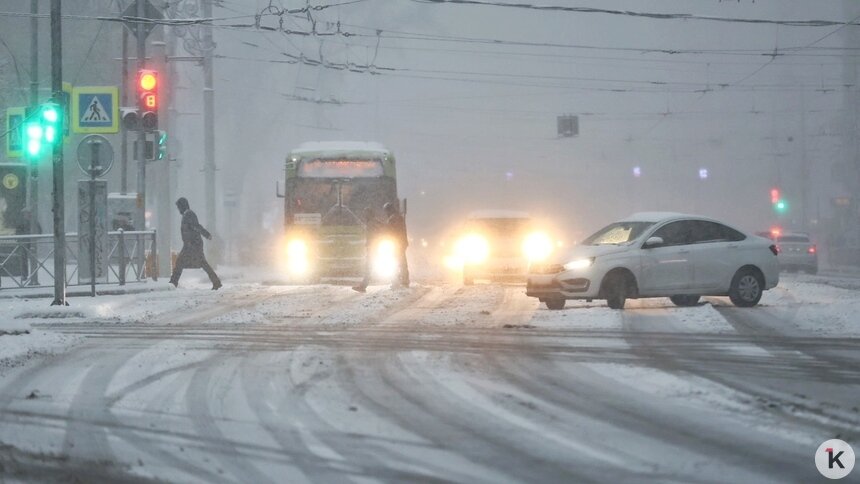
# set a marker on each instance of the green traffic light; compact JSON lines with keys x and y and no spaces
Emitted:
{"x":50,"y":114}
{"x":781,"y":206}
{"x":161,"y":139}
{"x":33,"y":139}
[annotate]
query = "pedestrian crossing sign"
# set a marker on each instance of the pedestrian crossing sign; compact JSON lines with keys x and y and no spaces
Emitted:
{"x":95,"y":109}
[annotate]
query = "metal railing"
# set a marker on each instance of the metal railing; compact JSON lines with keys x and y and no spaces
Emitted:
{"x":28,"y":260}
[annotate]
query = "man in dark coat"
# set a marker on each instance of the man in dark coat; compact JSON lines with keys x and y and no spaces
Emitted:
{"x":373,"y":228}
{"x":191,"y":256}
{"x":396,"y":228}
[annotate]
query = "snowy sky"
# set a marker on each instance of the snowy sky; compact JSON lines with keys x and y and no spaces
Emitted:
{"x":473,"y":124}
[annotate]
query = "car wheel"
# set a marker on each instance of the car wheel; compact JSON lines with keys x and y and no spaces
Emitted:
{"x":811,"y":270}
{"x":555,"y":303}
{"x":685,"y":300}
{"x":616,"y":293}
{"x":746,"y":289}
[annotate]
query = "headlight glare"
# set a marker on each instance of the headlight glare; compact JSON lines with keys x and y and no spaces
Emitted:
{"x":473,"y":249}
{"x":537,"y":247}
{"x":384,"y":259}
{"x":579,"y":264}
{"x":298,"y":261}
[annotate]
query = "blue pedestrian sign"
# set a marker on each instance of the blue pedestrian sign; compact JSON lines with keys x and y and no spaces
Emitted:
{"x":95,"y":109}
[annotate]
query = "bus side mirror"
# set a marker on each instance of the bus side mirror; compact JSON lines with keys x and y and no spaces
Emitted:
{"x":278,"y":190}
{"x":403,"y":206}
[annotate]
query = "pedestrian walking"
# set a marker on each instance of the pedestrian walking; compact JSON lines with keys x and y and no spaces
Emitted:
{"x":396,"y":228}
{"x":191,"y":256}
{"x":373,"y":228}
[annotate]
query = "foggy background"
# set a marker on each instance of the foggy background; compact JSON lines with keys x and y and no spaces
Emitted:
{"x":472,"y":122}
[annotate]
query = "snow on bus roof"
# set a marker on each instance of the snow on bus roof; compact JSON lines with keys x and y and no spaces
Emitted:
{"x":342,"y":146}
{"x":483,"y":214}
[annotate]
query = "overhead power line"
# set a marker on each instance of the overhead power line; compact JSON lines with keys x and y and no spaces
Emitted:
{"x":648,"y":15}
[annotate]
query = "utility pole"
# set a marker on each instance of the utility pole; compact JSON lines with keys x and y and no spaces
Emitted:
{"x":209,"y":122}
{"x":161,"y":170}
{"x":34,"y":100}
{"x":804,"y":167}
{"x":140,"y":223}
{"x":59,"y":193}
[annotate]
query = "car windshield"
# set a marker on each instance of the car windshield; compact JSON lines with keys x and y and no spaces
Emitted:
{"x":618,"y":233}
{"x":499,"y":226}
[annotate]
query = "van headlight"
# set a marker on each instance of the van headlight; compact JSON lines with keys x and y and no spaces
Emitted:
{"x":385,"y":259}
{"x":537,"y":247}
{"x":579,"y":264}
{"x":298,"y":257}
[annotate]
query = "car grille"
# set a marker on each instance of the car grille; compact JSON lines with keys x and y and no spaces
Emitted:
{"x":546,"y":268}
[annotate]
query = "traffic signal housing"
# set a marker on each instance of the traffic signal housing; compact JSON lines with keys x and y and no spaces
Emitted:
{"x":147,"y":90}
{"x":779,"y":204}
{"x":43,"y":129}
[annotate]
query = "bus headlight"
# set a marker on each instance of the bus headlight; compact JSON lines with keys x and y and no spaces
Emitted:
{"x":298,"y":260}
{"x":537,"y":246}
{"x":385,"y":259}
{"x":473,"y":249}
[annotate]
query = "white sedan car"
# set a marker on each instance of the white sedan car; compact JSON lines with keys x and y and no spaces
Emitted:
{"x":682,"y":257}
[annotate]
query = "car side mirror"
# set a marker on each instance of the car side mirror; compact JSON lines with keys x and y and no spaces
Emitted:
{"x":653,"y":242}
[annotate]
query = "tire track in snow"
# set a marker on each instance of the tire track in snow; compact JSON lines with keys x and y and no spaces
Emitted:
{"x":657,"y":338}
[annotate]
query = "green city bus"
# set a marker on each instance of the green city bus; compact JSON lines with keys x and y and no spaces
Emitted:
{"x":327,"y":187}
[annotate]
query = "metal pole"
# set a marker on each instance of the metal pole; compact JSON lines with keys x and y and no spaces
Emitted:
{"x":34,"y":168}
{"x":58,"y":195}
{"x":804,"y":169}
{"x":94,"y":162}
{"x":161,"y":172}
{"x":123,"y":186}
{"x":209,"y":122}
{"x":140,"y":224}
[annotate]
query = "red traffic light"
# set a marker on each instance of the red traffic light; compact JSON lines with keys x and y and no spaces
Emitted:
{"x":774,"y":195}
{"x":147,"y":80}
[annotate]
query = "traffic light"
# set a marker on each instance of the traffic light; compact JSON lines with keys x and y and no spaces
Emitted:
{"x":130,"y":118}
{"x":147,"y":89}
{"x":43,"y":129}
{"x":154,"y":149}
{"x":779,"y":203}
{"x":161,"y":143}
{"x":781,"y":206}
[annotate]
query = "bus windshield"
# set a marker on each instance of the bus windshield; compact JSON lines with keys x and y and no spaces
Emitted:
{"x":321,"y":196}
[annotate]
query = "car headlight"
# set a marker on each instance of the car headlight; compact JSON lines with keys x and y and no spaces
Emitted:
{"x":579,"y":264}
{"x":298,"y":260}
{"x":385,"y":259}
{"x":473,"y":249}
{"x":537,"y":247}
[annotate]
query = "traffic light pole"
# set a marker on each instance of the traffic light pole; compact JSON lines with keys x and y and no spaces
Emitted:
{"x":34,"y":167}
{"x":59,"y":195}
{"x":123,"y":167}
{"x":140,"y":223}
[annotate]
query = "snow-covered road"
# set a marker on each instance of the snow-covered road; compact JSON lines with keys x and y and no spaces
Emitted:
{"x":467,"y":384}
